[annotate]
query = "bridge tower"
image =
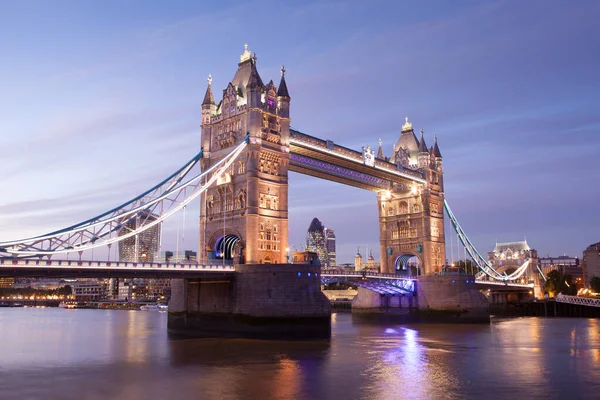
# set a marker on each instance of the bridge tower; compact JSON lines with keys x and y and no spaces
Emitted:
{"x":245,"y":216}
{"x":411,"y":217}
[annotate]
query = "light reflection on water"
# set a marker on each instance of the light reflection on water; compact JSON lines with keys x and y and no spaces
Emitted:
{"x":105,"y":354}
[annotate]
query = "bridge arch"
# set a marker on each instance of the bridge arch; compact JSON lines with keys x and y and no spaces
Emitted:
{"x":226,"y":245}
{"x":407,"y":264}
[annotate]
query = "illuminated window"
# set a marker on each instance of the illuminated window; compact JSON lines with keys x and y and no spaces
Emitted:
{"x":403,"y":208}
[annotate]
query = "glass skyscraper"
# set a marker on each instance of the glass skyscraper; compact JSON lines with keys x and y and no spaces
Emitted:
{"x":144,"y":246}
{"x":330,"y":246}
{"x":321,"y":241}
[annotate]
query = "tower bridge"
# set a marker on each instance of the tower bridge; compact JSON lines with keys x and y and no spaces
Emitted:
{"x":247,"y":150}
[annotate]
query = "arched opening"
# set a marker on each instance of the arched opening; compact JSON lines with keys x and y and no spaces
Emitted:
{"x":512,"y":297}
{"x":408,"y":264}
{"x":224,"y":247}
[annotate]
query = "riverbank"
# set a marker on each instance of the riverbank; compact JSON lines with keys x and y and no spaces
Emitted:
{"x":544,"y":308}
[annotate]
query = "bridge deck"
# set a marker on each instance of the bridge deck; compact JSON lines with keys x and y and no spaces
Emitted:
{"x":106,"y":269}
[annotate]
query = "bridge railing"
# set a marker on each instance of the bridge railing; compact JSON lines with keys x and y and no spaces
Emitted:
{"x":503,"y":283}
{"x":337,"y":272}
{"x":582,"y":301}
{"x":6,"y":261}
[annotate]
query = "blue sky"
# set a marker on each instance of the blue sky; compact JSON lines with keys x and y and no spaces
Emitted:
{"x":101,"y":100}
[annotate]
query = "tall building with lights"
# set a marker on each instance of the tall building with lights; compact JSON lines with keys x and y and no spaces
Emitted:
{"x":321,"y":240}
{"x":330,"y":246}
{"x":142,"y":247}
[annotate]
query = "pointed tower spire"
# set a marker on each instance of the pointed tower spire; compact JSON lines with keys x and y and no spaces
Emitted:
{"x":282,"y":91}
{"x":254,"y":80}
{"x":436,"y":149}
{"x":422,"y":145}
{"x":208,"y":97}
{"x":380,"y":154}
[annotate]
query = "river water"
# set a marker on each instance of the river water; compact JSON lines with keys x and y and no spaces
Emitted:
{"x":110,"y":354}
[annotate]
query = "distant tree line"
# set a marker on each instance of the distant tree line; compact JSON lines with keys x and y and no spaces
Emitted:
{"x":26,"y":292}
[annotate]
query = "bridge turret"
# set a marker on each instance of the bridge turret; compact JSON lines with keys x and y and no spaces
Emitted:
{"x":254,"y":85}
{"x":283,"y":96}
{"x":208,"y":109}
{"x":423,"y":152}
{"x":380,"y":154}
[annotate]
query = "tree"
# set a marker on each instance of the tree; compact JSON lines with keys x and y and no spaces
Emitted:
{"x":558,"y":282}
{"x":467,"y":266}
{"x":65,"y":290}
{"x":595,"y":284}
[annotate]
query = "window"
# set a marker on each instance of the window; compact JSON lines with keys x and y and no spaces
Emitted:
{"x":403,"y":208}
{"x":433,"y":207}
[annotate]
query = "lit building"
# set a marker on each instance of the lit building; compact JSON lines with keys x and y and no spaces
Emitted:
{"x":158,"y":289}
{"x":305,"y":257}
{"x":369,"y":265}
{"x":591,"y":263}
{"x":358,"y":264}
{"x":316,"y":242}
{"x":181,"y":256}
{"x":91,"y":290}
{"x":125,"y":290}
{"x":330,"y":246}
{"x":142,"y":247}
{"x":6,"y":282}
{"x":565,"y":264}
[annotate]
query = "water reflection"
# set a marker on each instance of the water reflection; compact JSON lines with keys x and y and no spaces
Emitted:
{"x":104,"y":354}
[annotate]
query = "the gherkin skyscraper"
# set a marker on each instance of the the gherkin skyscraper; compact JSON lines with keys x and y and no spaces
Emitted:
{"x":317,"y":241}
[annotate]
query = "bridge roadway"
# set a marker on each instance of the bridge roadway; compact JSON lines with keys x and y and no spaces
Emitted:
{"x":10,"y":267}
{"x":385,"y":283}
{"x":357,"y":276}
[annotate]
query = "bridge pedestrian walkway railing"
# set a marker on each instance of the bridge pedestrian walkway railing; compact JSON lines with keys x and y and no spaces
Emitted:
{"x":582,"y":301}
{"x":504,"y":283}
{"x":33,"y":263}
{"x":359,"y":274}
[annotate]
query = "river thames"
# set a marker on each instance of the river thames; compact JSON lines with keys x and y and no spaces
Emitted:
{"x":109,"y":354}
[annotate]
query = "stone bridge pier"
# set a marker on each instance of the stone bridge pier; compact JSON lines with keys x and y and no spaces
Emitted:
{"x":266,"y":301}
{"x":437,"y":298}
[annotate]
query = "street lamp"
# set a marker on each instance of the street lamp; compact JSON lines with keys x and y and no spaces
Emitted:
{"x":287,"y":255}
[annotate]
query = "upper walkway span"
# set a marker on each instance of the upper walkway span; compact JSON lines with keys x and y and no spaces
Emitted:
{"x":325,"y":159}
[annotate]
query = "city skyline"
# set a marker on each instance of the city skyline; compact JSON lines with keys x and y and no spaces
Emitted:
{"x":518,"y":163}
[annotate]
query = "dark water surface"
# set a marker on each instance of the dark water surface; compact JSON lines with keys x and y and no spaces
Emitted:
{"x":109,"y":354}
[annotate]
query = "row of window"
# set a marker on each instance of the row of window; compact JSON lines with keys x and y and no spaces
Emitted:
{"x":269,"y":167}
{"x":404,"y":233}
{"x":403,"y":209}
{"x":268,"y":239}
{"x":268,"y":201}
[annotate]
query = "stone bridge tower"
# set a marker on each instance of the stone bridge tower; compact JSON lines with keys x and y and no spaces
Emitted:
{"x":245,"y":216}
{"x":411,"y":217}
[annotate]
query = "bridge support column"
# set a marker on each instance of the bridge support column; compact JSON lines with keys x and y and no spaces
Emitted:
{"x":437,"y":299}
{"x":269,"y":301}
